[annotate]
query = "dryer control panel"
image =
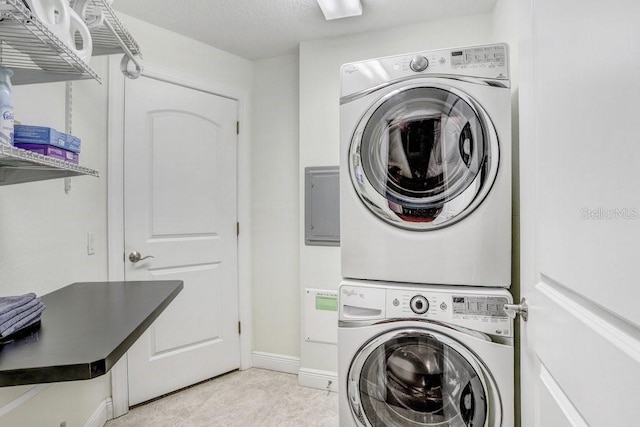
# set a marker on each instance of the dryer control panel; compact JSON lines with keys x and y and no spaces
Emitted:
{"x":482,"y":62}
{"x":476,"y":309}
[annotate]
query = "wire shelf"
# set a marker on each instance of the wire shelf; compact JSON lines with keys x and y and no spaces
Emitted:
{"x":105,"y":40}
{"x":33,"y":52}
{"x":109,"y":35}
{"x":19,"y":166}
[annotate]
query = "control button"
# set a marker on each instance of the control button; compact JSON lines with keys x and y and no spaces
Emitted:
{"x":443,"y":306}
{"x":419,"y":63}
{"x":396,"y":302}
{"x":419,"y":304}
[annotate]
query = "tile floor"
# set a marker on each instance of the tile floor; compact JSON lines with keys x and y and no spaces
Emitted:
{"x":255,"y":398}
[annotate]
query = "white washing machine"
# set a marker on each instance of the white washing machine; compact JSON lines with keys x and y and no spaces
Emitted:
{"x":424,"y":356}
{"x":425,"y":177}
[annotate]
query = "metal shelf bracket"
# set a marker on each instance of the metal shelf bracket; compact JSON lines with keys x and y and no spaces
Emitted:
{"x":109,"y":35}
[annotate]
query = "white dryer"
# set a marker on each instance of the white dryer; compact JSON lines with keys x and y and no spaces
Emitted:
{"x":425,"y":178}
{"x":424,"y":356}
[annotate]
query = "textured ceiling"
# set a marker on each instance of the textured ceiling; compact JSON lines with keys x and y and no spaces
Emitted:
{"x":256,"y":29}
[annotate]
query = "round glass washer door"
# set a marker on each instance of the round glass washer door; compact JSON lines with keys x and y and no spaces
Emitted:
{"x":424,"y":157}
{"x":415,"y":378}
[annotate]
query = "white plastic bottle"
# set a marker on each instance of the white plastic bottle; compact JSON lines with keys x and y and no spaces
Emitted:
{"x":6,"y":107}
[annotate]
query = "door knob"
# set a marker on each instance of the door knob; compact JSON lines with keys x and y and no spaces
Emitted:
{"x":513,"y":310}
{"x":135,"y":257}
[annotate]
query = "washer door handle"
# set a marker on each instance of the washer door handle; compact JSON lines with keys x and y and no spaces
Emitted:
{"x":522,"y":309}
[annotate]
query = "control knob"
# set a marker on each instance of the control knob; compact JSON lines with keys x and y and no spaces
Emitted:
{"x":419,"y":304}
{"x":419,"y":63}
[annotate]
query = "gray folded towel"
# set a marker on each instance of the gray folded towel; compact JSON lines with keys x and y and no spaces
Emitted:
{"x":8,"y":304}
{"x":32,"y":316}
{"x":11,"y":314}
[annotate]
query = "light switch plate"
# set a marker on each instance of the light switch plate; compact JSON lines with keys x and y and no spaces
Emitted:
{"x":91,"y":243}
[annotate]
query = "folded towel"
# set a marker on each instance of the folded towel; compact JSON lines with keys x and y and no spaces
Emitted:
{"x":29,"y":319}
{"x":11,"y":314}
{"x":8,"y":304}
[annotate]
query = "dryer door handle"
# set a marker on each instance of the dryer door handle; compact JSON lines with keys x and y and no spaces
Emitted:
{"x":522,"y":309}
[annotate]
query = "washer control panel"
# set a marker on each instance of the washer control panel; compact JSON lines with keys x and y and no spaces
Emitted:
{"x":479,"y":311}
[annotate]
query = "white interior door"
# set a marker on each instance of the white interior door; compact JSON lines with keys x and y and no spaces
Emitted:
{"x":180,"y":208}
{"x":580,"y":212}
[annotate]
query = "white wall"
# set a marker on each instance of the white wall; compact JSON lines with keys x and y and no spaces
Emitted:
{"x":320,"y":63}
{"x":44,"y":235}
{"x":43,"y":230}
{"x":171,"y":51}
{"x":274,"y":215}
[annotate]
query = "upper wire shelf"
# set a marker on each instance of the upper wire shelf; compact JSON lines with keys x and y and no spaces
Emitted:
{"x":36,"y":55}
{"x":110,"y":36}
{"x":33,"y":52}
{"x":105,"y":41}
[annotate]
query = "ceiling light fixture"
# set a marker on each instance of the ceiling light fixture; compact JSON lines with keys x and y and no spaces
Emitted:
{"x":335,"y":9}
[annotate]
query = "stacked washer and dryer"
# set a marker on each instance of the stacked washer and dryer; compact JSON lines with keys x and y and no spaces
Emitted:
{"x":425,"y":211}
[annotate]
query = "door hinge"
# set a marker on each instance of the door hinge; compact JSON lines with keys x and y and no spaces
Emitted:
{"x":237,"y":128}
{"x":239,"y":327}
{"x":237,"y":228}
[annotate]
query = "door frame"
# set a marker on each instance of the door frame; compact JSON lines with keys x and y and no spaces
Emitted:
{"x":115,"y":204}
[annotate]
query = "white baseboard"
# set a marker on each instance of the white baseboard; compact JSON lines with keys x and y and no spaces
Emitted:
{"x":102,"y":414}
{"x":314,"y":378}
{"x":275,"y":362}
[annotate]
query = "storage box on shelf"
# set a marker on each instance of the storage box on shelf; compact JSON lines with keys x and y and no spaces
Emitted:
{"x":47,"y":141}
{"x":50,"y":151}
{"x":28,"y":134}
{"x":19,"y":166}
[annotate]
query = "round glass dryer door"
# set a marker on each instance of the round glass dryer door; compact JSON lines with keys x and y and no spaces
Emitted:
{"x":417,"y":378}
{"x":424,"y":157}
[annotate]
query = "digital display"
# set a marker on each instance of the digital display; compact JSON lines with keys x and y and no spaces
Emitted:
{"x":457,"y":58}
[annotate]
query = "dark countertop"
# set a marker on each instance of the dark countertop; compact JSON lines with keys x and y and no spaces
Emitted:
{"x":85,"y":329}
